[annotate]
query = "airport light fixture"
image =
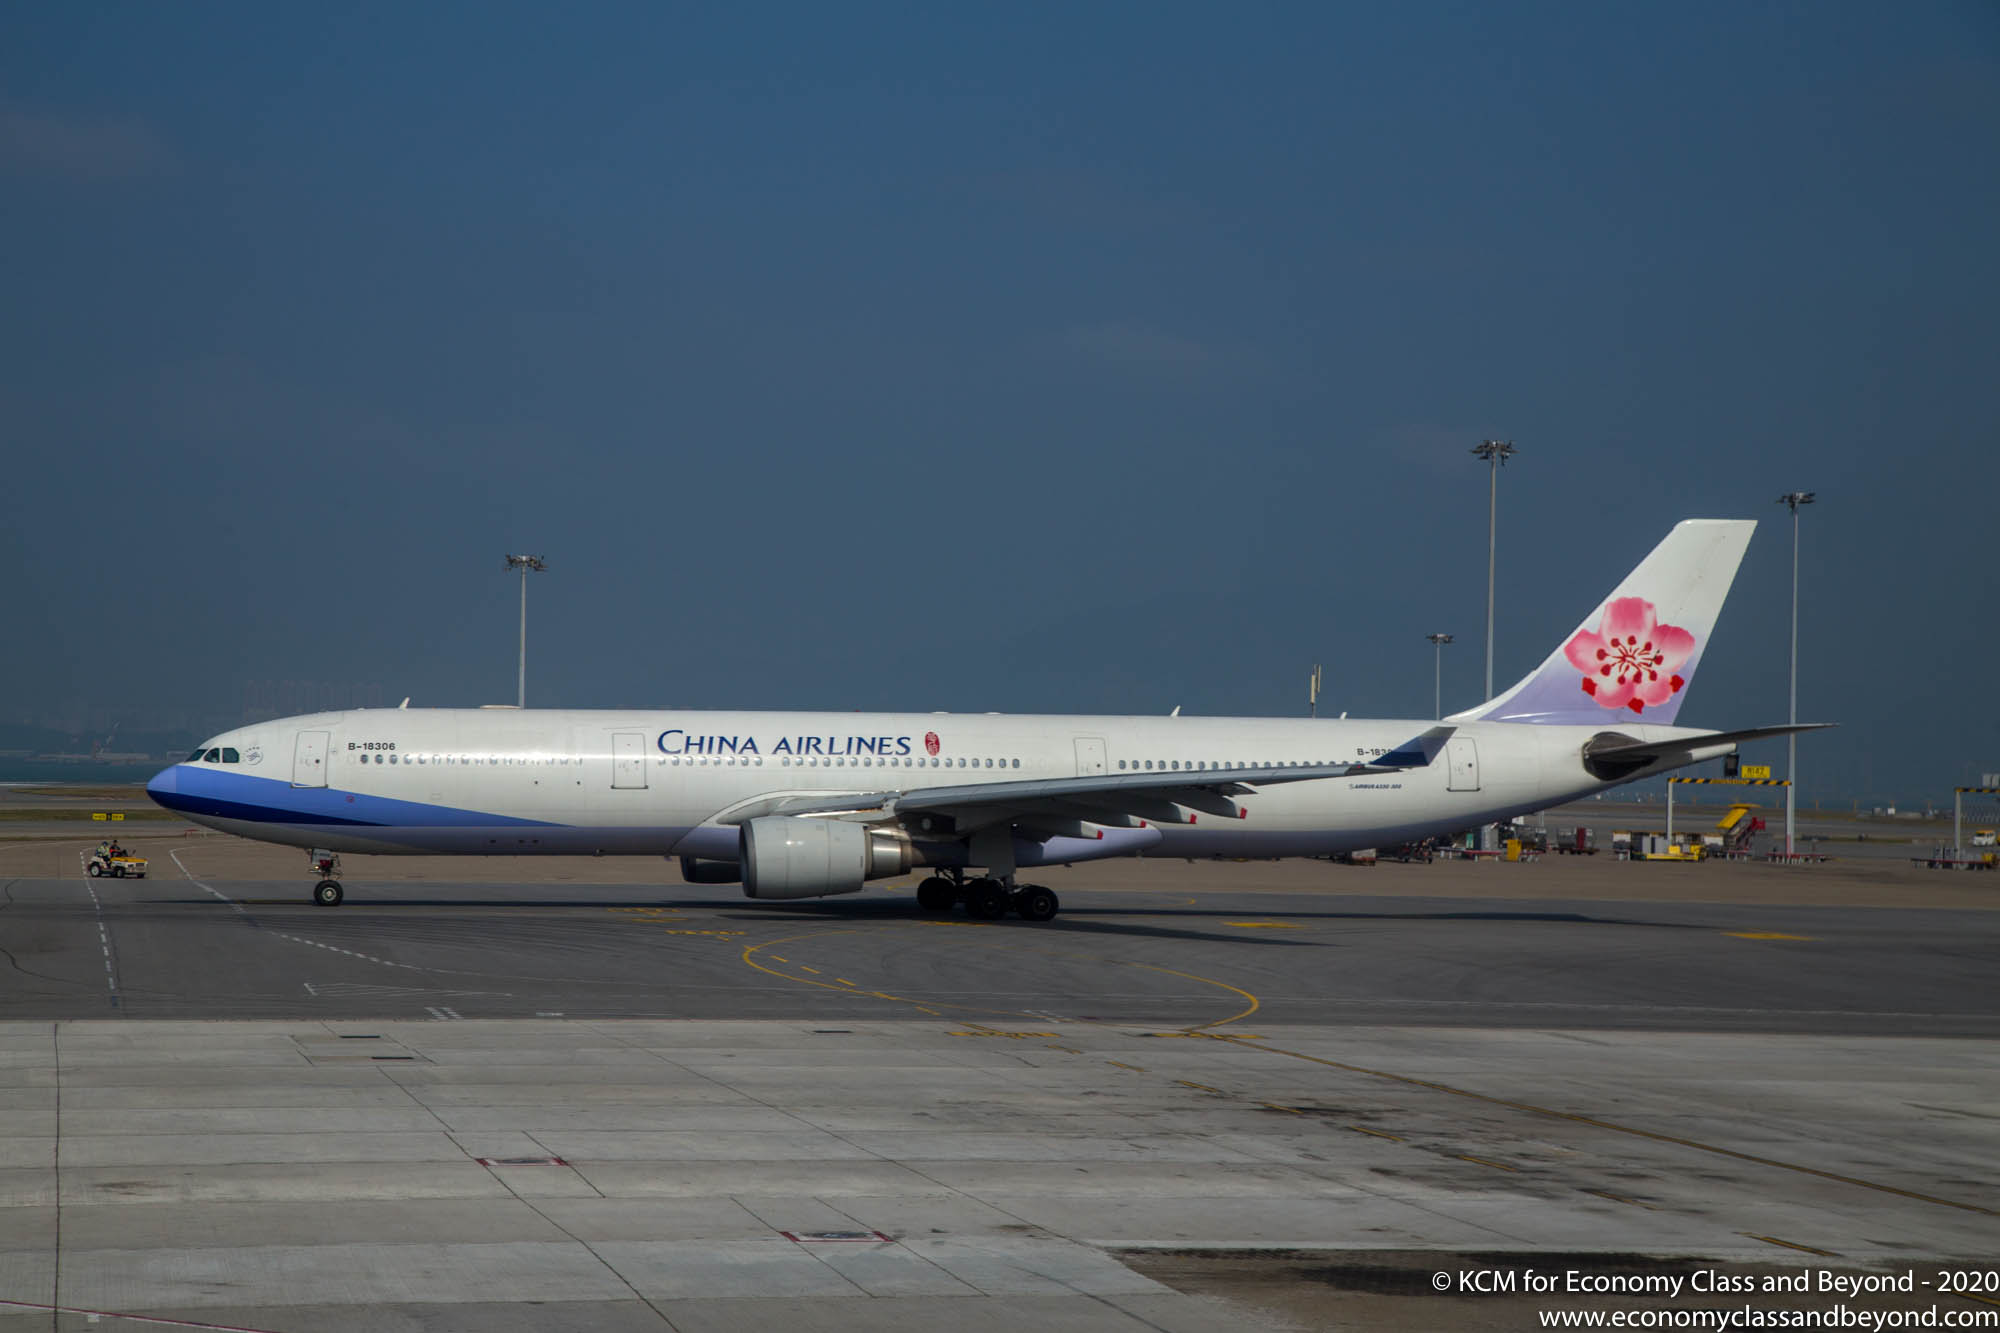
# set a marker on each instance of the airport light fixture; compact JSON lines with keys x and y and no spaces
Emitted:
{"x":1793,"y":499}
{"x":1438,"y":642}
{"x":524,"y":563}
{"x":1495,"y":452}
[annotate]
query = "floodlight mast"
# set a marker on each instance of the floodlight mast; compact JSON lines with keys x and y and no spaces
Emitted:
{"x":1437,"y":677}
{"x":524,"y":563}
{"x":1495,"y":452}
{"x":1793,"y":499}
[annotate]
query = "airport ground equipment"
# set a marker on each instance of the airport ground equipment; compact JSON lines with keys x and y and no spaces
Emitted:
{"x":1659,"y":847}
{"x":1958,"y":795}
{"x":1714,"y":782}
{"x":1732,"y":835}
{"x":1579,"y":841}
{"x":115,"y":864}
{"x":1951,"y":858}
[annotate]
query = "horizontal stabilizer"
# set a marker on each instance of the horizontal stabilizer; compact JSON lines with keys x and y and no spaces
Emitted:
{"x":1614,"y":757}
{"x":1624,"y":748}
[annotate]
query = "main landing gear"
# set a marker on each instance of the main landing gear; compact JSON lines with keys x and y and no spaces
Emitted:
{"x":987,"y":899}
{"x":326,"y":893}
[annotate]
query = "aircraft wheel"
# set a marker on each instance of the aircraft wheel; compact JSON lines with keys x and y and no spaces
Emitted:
{"x":93,"y":870}
{"x":327,"y":893}
{"x":986,"y":899}
{"x":936,"y":894}
{"x":1036,"y":903}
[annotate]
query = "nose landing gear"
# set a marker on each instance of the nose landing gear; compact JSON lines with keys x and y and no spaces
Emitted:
{"x":326,"y":893}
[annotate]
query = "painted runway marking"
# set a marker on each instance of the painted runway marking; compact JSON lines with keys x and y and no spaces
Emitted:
{"x":1497,"y":1166}
{"x":1764,"y":935}
{"x":1620,"y":1198}
{"x":1373,"y":1133}
{"x":1255,"y":1003}
{"x":94,"y":1315}
{"x":103,"y":934}
{"x":1803,"y":1249}
{"x":237,"y":908}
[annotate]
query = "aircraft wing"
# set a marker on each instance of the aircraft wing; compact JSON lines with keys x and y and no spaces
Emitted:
{"x":1127,"y":800}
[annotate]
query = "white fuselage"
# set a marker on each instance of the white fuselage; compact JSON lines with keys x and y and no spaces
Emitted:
{"x":504,"y":781}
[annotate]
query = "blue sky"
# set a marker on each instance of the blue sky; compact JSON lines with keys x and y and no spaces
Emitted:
{"x":1099,"y":357}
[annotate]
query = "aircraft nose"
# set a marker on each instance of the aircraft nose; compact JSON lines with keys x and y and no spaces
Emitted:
{"x":164,"y":784}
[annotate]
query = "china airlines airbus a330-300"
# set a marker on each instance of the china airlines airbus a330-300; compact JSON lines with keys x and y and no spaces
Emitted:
{"x":801,"y":805}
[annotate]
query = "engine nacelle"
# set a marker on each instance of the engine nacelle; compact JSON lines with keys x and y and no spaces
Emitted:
{"x":788,"y":857}
{"x":697,"y":871}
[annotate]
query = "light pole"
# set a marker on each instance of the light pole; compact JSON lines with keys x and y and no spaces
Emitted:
{"x":1495,"y":452}
{"x":1793,"y":499}
{"x":524,"y":563}
{"x":1437,"y":677}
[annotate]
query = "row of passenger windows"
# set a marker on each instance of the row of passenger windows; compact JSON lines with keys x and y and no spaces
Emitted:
{"x":469,"y":760}
{"x":1199,"y":765}
{"x":225,"y":755}
{"x":215,"y":755}
{"x":719,"y":761}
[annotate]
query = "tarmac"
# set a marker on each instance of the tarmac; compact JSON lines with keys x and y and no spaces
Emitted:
{"x":564,"y":1094}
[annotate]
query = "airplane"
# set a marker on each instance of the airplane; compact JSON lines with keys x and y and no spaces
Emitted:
{"x":802,"y":805}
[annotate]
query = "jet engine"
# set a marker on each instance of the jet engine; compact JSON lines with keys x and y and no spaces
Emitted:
{"x":788,"y":857}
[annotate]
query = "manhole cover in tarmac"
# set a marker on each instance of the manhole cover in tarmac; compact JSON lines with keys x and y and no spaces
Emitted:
{"x":805,"y":1237}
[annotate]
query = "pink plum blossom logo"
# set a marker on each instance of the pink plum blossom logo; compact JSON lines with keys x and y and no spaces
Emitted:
{"x":1630,"y":660}
{"x":931,"y":745}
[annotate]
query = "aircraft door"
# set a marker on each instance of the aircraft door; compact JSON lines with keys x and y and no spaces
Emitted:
{"x":628,"y":759}
{"x":1463,"y":757}
{"x":309,"y":760}
{"x":1089,"y":756}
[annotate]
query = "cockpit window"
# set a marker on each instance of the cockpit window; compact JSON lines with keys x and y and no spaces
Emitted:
{"x":230,"y":756}
{"x":213,"y":756}
{"x":194,"y":758}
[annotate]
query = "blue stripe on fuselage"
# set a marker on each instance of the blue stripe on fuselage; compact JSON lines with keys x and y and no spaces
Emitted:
{"x":196,"y":790}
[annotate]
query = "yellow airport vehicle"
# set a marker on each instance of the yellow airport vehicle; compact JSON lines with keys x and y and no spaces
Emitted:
{"x":1658,"y":847}
{"x":116,"y":864}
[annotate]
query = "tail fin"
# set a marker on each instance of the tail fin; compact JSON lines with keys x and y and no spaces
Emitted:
{"x":1632,"y":659}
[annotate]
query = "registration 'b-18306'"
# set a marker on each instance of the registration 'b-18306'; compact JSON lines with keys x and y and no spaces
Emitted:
{"x":803,"y":805}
